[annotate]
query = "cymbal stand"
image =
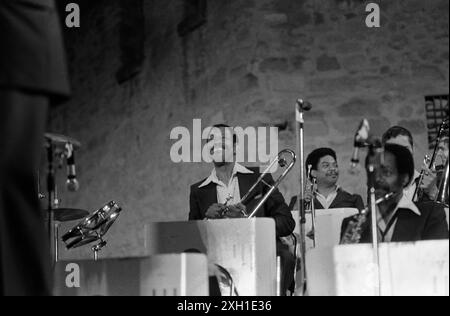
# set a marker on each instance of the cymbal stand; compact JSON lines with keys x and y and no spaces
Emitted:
{"x":98,"y":247}
{"x":52,"y":200}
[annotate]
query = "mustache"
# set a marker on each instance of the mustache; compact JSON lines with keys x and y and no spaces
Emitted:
{"x":382,"y":186}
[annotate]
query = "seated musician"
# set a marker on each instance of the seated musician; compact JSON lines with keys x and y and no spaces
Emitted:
{"x":325,"y":171}
{"x":401,"y":136}
{"x":400,"y":219}
{"x":219,"y":196}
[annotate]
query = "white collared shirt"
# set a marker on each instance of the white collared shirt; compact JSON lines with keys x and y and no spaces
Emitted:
{"x":409,"y":190}
{"x":227,"y":193}
{"x":327,"y":201}
{"x":404,"y":203}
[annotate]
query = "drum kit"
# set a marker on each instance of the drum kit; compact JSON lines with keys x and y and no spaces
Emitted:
{"x":91,"y":228}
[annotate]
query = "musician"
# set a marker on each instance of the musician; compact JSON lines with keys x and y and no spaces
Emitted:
{"x":399,"y":218}
{"x":325,"y":170}
{"x":441,"y":159}
{"x":32,"y":72}
{"x":403,"y":137}
{"x":219,"y":195}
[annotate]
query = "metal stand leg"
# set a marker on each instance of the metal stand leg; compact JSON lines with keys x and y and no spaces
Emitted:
{"x":375,"y":161}
{"x":300,"y":108}
{"x":56,"y":246}
{"x":97,"y":248}
{"x":51,"y":184}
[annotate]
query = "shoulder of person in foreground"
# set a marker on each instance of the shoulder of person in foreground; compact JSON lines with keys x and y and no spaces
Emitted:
{"x":436,"y":225}
{"x":355,"y":199}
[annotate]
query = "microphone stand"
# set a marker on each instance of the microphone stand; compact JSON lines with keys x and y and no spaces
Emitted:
{"x":300,"y":108}
{"x":52,"y":201}
{"x":375,"y":153}
{"x":51,"y":193}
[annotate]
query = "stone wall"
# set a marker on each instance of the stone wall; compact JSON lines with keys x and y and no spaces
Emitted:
{"x":246,"y":66}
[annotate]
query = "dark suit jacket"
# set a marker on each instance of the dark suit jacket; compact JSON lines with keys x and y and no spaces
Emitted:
{"x":431,"y":225}
{"x":275,"y":206}
{"x":343,"y":200}
{"x":32,"y":71}
{"x":32,"y":55}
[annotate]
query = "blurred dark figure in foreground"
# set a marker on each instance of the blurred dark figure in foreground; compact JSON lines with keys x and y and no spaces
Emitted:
{"x":32,"y":74}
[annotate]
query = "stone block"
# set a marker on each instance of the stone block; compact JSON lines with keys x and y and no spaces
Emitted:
{"x":428,"y":72}
{"x":298,"y":61}
{"x":274,"y":64}
{"x":339,"y":84}
{"x":349,"y":47}
{"x":327,"y":63}
{"x":276,"y":19}
{"x":262,"y":50}
{"x":398,"y":42}
{"x":238,"y":71}
{"x":287,"y":82}
{"x":248,"y":82}
{"x":219,"y":77}
{"x":415,"y":126}
{"x":295,"y":11}
{"x":385,"y":70}
{"x":354,"y":62}
{"x":405,"y":112}
{"x":317,"y":128}
{"x":359,"y":107}
{"x":319,"y":18}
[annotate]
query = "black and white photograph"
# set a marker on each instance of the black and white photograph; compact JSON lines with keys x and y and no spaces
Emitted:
{"x":224,"y":153}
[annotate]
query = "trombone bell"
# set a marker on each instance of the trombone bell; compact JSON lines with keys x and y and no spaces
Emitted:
{"x":283,"y":163}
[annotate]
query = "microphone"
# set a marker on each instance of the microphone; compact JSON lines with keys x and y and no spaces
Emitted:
{"x":361,"y":137}
{"x":72,"y":183}
{"x":304,"y":105}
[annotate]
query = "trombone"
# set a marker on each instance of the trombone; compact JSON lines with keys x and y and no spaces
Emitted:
{"x":285,"y":159}
{"x":418,"y":193}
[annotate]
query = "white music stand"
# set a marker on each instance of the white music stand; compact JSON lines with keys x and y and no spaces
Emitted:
{"x":406,"y":269}
{"x":328,"y":226}
{"x":163,"y":275}
{"x":328,"y":235}
{"x":244,"y":247}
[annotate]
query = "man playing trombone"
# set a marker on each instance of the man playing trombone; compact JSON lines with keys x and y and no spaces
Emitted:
{"x":401,"y":136}
{"x":219,"y":196}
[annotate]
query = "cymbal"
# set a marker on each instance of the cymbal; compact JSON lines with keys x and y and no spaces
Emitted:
{"x":68,"y":214}
{"x":60,"y":140}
